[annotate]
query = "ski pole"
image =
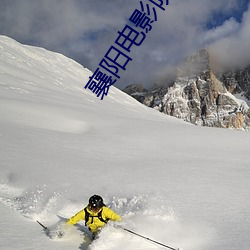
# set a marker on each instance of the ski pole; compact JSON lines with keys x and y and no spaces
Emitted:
{"x":45,"y":228}
{"x":146,"y":238}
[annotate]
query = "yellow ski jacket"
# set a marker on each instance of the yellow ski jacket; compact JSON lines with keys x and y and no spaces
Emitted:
{"x":94,"y":223}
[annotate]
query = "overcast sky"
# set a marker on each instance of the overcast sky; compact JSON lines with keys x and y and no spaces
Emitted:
{"x":85,"y":29}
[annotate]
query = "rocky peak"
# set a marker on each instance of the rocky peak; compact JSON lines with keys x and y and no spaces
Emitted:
{"x":201,"y":97}
{"x":196,"y":64}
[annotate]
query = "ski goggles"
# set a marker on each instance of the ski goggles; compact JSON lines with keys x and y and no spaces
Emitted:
{"x":94,"y":208}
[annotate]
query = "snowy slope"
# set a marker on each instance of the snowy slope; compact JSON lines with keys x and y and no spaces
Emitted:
{"x":182,"y":185}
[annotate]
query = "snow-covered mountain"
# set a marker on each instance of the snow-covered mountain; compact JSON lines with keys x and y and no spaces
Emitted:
{"x":201,"y":96}
{"x":182,"y":185}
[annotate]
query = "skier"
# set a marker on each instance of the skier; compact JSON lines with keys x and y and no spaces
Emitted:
{"x":95,"y":214}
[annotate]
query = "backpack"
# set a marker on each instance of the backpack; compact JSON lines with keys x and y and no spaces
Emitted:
{"x":88,"y":216}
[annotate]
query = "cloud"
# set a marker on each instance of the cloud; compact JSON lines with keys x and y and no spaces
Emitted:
{"x":233,"y":49}
{"x":229,"y":27}
{"x":85,"y":29}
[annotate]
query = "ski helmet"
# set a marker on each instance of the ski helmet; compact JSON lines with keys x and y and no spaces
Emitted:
{"x":95,"y":202}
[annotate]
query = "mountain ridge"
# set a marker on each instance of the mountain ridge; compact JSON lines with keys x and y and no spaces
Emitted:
{"x":201,"y":95}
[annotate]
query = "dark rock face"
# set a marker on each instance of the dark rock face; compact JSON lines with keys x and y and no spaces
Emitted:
{"x":237,"y":81}
{"x":137,"y":91}
{"x":201,"y":97}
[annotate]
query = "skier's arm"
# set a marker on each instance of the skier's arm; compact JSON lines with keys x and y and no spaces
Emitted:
{"x":110,"y":214}
{"x":77,"y":217}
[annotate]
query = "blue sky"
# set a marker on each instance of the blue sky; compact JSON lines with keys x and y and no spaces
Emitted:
{"x":85,"y":29}
{"x":218,"y":17}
